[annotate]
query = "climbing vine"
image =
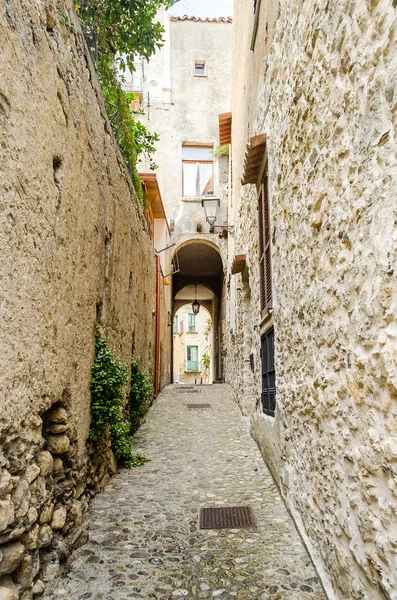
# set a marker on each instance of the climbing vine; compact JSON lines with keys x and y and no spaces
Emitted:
{"x":116,"y":31}
{"x":109,"y":378}
{"x":141,"y":391}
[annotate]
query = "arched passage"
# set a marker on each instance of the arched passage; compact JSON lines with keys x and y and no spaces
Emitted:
{"x":193,"y":341}
{"x":201,"y":273}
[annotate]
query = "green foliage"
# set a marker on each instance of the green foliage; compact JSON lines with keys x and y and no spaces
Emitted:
{"x":109,"y":378}
{"x":221,"y":150}
{"x":116,"y":31}
{"x":141,"y":391}
{"x":206,"y":362}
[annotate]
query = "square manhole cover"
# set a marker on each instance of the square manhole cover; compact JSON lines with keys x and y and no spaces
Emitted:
{"x":228,"y":517}
{"x":203,"y":405}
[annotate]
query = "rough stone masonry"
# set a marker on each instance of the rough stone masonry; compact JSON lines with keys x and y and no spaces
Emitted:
{"x":74,"y":252}
{"x":321,"y":85}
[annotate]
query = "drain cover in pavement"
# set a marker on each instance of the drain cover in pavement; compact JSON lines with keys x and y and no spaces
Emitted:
{"x":230,"y":517}
{"x":203,"y":405}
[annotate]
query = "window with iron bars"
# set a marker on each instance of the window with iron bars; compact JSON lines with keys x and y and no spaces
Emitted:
{"x":268,"y":394}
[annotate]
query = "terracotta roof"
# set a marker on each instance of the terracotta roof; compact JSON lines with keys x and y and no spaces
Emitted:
{"x":206,"y":20}
{"x":153,"y":195}
{"x":253,"y":159}
{"x":225,"y":128}
{"x":239,"y":264}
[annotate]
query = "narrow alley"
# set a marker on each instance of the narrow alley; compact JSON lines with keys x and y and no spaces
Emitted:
{"x":145,"y":540}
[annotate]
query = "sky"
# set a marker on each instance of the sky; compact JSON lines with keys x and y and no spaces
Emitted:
{"x":203,"y":8}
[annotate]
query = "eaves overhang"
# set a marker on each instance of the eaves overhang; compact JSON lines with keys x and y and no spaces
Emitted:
{"x":239,"y":263}
{"x":253,"y":159}
{"x":153,"y":196}
{"x":225,"y":128}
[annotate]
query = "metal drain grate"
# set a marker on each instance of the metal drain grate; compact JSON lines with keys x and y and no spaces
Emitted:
{"x":231,"y":517}
{"x":203,"y":405}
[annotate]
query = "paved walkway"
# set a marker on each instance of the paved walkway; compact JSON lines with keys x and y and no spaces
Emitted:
{"x":145,"y":540}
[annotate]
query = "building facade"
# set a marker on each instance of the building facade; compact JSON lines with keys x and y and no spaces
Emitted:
{"x":181,"y":91}
{"x":311,"y":348}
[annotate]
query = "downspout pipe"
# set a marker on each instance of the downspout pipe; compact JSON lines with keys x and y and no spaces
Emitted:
{"x":157,"y":336}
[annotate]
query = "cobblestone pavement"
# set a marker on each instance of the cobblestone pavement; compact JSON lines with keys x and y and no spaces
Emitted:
{"x":145,"y":540}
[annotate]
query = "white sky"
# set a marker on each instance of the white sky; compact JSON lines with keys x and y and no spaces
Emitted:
{"x":203,"y":8}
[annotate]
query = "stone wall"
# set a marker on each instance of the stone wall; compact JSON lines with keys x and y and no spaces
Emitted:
{"x":321,"y":85}
{"x":75,"y":252}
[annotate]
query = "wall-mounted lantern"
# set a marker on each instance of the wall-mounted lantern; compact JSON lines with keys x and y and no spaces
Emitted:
{"x":211,"y":203}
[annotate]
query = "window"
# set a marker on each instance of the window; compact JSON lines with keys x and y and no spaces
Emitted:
{"x":265,"y":264}
{"x":192,"y":322}
{"x":176,"y":324}
{"x":192,"y":358}
{"x":199,"y":68}
{"x":197,"y":170}
{"x":268,"y":395}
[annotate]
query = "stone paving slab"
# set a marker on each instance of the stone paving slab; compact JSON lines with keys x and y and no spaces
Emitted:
{"x":145,"y":540}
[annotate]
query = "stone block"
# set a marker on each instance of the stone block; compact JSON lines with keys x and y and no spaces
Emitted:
{"x":38,"y":588}
{"x":32,"y":472}
{"x":45,"y":536}
{"x":12,"y":555}
{"x":46,"y":462}
{"x":57,"y":427}
{"x":59,"y":518}
{"x":31,"y":538}
{"x":6,"y":483}
{"x":76,"y":512}
{"x":21,"y":497}
{"x":12,"y":533}
{"x":58,"y":415}
{"x":7,"y":594}
{"x":6,"y":514}
{"x":58,"y":444}
{"x":33,"y":515}
{"x":58,"y":467}
{"x":46,"y":514}
{"x":8,"y":589}
{"x":27,"y":570}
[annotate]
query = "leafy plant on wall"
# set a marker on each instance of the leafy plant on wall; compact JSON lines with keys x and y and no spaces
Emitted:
{"x":109,"y":379}
{"x":115,"y":32}
{"x":141,"y":393}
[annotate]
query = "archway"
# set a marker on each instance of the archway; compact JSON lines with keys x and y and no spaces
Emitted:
{"x":192,"y":344}
{"x":200,"y":271}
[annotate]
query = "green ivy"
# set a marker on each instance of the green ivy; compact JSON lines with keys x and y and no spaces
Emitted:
{"x":109,"y":378}
{"x":115,"y":32}
{"x":141,"y":392}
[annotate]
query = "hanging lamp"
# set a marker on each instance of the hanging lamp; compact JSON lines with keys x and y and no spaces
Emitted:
{"x":196,"y":303}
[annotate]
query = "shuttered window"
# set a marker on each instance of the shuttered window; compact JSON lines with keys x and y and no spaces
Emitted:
{"x":265,"y":265}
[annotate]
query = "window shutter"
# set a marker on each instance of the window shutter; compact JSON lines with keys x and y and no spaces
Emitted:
{"x":265,"y":265}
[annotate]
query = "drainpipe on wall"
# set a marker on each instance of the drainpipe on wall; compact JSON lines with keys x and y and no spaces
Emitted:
{"x":157,"y":348}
